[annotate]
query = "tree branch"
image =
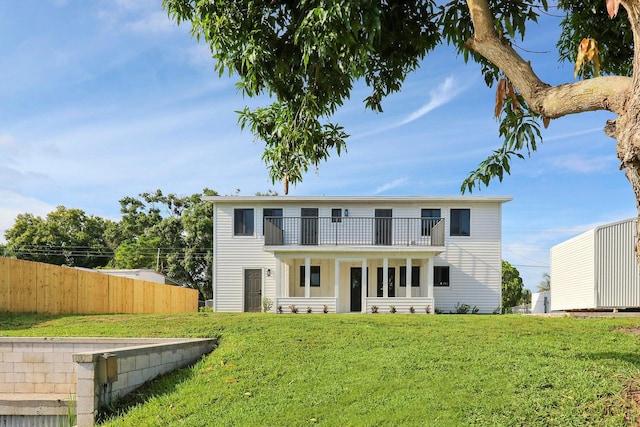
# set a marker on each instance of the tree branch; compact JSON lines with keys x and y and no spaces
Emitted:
{"x":601,"y":93}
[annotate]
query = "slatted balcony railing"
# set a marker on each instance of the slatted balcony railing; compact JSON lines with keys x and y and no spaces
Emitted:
{"x":353,"y":231}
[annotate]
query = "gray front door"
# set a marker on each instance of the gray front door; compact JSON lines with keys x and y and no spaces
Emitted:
{"x":253,"y":289}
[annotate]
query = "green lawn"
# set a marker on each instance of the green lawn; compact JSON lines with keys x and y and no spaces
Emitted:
{"x":378,"y":370}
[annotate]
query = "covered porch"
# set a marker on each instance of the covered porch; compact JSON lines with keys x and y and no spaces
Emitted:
{"x":321,"y":281}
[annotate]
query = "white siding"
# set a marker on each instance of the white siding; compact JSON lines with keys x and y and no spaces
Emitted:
{"x":234,"y":254}
{"x":474,"y":261}
{"x":572,"y":273}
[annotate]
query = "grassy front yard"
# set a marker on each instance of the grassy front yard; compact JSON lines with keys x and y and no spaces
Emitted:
{"x":377,"y":370}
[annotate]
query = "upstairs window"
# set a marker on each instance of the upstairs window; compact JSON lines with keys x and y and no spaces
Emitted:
{"x":243,"y":223}
{"x":430,"y":217}
{"x":460,"y":222}
{"x":336,"y":215}
{"x":315,"y":276}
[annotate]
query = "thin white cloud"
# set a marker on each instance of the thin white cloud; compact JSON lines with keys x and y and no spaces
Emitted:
{"x":393,"y":184}
{"x":444,"y":93}
{"x":441,"y":95}
{"x":582,"y":165}
{"x":571,"y":135}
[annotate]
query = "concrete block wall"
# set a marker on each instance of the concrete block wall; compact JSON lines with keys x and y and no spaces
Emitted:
{"x":38,"y":376}
{"x":136,"y":365}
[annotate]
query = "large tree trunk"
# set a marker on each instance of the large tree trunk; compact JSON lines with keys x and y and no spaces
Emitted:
{"x":620,"y":95}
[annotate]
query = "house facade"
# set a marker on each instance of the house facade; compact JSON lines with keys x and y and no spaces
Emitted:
{"x":596,"y":270}
{"x":352,"y":254}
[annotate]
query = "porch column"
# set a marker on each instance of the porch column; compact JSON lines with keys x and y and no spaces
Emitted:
{"x":365,"y":285}
{"x":429,"y":276}
{"x":336,"y":280}
{"x":407,"y":281}
{"x":385,"y":278}
{"x":307,"y":277}
{"x":278,"y":274}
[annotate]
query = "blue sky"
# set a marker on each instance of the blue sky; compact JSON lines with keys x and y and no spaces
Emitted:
{"x":105,"y":99}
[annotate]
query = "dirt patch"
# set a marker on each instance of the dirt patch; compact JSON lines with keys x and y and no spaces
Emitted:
{"x":108,"y":319}
{"x":633,"y":330}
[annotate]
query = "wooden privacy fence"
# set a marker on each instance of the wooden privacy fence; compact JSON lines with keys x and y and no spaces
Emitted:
{"x":34,"y":287}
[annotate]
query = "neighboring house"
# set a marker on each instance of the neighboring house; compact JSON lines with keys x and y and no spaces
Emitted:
{"x":596,"y":270}
{"x":137,"y":273}
{"x":352,"y":253}
{"x":541,"y":302}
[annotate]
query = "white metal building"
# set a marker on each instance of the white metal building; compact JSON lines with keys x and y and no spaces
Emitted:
{"x":596,"y":270}
{"x":351,"y":254}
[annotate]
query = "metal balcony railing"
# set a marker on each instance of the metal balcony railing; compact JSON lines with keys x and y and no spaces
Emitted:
{"x":353,"y":231}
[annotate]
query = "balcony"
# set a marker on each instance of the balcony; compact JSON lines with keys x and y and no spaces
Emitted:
{"x":353,"y":231}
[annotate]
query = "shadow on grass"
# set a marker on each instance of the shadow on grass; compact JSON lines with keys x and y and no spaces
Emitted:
{"x":19,"y":321}
{"x":159,"y":386}
{"x":633,"y":358}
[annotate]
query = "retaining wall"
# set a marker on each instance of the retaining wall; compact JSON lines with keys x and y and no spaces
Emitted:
{"x":44,"y":376}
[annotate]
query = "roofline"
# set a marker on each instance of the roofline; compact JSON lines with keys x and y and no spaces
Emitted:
{"x":343,"y":199}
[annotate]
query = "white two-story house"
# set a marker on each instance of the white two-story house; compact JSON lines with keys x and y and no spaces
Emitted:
{"x":352,"y":254}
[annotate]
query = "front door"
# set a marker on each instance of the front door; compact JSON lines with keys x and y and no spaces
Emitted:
{"x":309,"y":226}
{"x":252,"y":289}
{"x":383,"y":223}
{"x":356,"y":289}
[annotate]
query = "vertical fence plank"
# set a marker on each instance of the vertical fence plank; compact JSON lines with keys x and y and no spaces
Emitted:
{"x":93,"y":292}
{"x":120,"y":295}
{"x":178,"y":297}
{"x":22,"y":292}
{"x":5,"y":297}
{"x":161,"y":298}
{"x":46,"y":286}
{"x":191,"y":302}
{"x":67,"y":291}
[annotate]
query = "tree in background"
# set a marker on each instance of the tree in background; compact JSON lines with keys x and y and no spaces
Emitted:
{"x":168,"y":233}
{"x":511,"y":286}
{"x":545,"y":283}
{"x":64,"y":237}
{"x":307,"y":55}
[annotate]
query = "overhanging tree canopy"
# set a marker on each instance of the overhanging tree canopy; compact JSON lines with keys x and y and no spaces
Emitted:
{"x":307,"y":55}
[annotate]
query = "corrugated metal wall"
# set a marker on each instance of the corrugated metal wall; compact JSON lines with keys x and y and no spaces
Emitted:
{"x":617,"y":281}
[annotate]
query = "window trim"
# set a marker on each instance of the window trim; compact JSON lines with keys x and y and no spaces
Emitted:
{"x":313,"y":269}
{"x":442,"y":284}
{"x":245,"y":225}
{"x":457,"y":224}
{"x":336,"y":214}
{"x":426,"y":231}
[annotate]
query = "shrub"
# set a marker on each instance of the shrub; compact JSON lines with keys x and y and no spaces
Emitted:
{"x":374,"y":308}
{"x":461,"y":308}
{"x":392,"y":309}
{"x":309,"y":310}
{"x":475,"y":310}
{"x":412,"y":310}
{"x":325,"y":308}
{"x":267,"y":304}
{"x":293,"y":308}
